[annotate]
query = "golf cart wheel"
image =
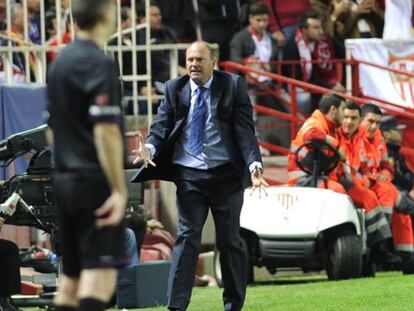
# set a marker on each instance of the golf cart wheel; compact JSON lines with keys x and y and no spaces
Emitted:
{"x":344,"y":257}
{"x":217,"y":265}
{"x":368,"y":269}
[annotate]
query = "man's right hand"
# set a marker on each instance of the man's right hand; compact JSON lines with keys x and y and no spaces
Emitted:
{"x":142,"y":153}
{"x":365,"y":7}
{"x":112,"y":211}
{"x":340,"y":7}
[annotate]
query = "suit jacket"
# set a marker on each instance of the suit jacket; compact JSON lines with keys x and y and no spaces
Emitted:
{"x":235,"y":121}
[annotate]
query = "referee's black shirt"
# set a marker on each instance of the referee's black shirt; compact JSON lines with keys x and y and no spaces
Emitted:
{"x":83,"y":89}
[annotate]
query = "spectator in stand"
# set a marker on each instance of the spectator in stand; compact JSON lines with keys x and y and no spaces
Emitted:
{"x":126,"y":18}
{"x":18,"y":66}
{"x":17,"y":37}
{"x":220,"y":20}
{"x":160,"y":34}
{"x":50,"y":24}
{"x":284,"y":16}
{"x":403,"y":175}
{"x":363,"y":18}
{"x":160,"y":60}
{"x":65,"y":30}
{"x":366,"y":19}
{"x":33,"y":7}
{"x":329,"y":11}
{"x":311,"y":44}
{"x":255,"y":47}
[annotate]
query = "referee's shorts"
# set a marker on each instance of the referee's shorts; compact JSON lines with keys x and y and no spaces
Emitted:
{"x":84,"y":246}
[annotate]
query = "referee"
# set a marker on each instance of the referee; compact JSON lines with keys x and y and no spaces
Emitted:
{"x":86,"y":121}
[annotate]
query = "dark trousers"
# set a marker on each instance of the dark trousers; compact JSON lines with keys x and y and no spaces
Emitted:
{"x":197,"y":192}
{"x":9,"y":268}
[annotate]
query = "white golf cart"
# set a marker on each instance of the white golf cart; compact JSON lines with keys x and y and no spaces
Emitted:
{"x":305,"y":227}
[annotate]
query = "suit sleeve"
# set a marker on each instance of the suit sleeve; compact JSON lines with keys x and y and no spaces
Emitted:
{"x":163,"y":124}
{"x":244,"y":125}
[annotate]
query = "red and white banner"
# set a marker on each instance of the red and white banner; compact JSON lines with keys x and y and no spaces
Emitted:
{"x":382,"y":83}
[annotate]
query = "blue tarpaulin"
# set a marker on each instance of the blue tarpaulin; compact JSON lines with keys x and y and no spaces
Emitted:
{"x":21,"y":108}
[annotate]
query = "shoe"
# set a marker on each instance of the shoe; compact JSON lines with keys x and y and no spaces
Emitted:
{"x":382,"y":255}
{"x":7,"y":305}
{"x":407,"y":264}
{"x":200,"y":281}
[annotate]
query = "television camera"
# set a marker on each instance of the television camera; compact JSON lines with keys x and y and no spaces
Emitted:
{"x":26,"y":199}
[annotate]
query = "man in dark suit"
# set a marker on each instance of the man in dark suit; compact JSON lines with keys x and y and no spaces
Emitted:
{"x":204,"y":141}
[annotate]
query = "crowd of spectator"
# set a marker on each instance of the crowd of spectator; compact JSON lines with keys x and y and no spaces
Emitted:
{"x":258,"y":33}
{"x":15,"y":33}
{"x":253,"y":32}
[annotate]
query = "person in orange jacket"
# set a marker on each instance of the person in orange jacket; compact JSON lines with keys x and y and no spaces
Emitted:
{"x":351,"y":136}
{"x":322,"y":126}
{"x":379,"y":170}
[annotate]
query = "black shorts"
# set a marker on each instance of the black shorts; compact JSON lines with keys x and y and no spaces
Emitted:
{"x":83,"y":245}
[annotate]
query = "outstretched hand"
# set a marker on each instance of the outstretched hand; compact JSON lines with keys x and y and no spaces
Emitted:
{"x":142,"y":153}
{"x":258,"y":182}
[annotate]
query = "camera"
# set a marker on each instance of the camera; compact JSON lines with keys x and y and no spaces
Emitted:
{"x":30,"y":192}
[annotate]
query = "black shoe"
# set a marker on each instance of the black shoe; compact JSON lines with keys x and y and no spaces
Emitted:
{"x":7,"y":305}
{"x":407,"y":264}
{"x":382,"y":255}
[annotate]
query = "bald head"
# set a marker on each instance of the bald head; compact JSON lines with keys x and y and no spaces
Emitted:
{"x":200,"y":62}
{"x":202,"y":45}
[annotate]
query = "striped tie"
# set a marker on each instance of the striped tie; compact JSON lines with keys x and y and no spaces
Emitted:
{"x":198,"y":121}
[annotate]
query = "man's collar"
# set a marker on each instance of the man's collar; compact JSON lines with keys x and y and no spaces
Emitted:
{"x":194,"y":85}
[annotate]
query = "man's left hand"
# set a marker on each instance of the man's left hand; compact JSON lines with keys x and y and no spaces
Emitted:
{"x":257,"y":179}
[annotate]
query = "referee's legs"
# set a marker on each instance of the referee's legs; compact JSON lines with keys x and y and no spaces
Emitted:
{"x":66,"y":298}
{"x":96,"y":287}
{"x":90,"y":292}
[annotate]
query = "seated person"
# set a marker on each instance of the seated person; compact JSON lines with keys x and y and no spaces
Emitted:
{"x":9,"y":273}
{"x":352,"y":139}
{"x":321,"y":125}
{"x":255,"y":47}
{"x":311,"y":44}
{"x":392,"y":132}
{"x":160,"y":60}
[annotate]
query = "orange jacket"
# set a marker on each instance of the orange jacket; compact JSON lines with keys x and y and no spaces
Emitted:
{"x":377,"y":161}
{"x":354,"y":150}
{"x":316,"y":127}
